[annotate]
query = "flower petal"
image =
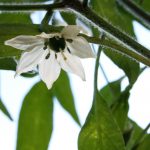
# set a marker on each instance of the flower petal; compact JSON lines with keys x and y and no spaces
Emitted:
{"x":71,"y":64}
{"x":23,"y":42}
{"x":29,"y":60}
{"x":47,"y":36}
{"x":81,"y":48}
{"x":49,"y":70}
{"x":71,"y":31}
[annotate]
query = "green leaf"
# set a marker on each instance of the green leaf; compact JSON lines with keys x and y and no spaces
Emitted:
{"x":36,"y":119}
{"x":145,"y":144}
{"x":130,"y":67}
{"x":63,"y":92}
{"x":7,"y":64}
{"x":136,"y":131}
{"x":70,"y":18}
{"x":4,"y":110}
{"x":113,"y":14}
{"x":111,"y":91}
{"x":145,"y":4}
{"x":10,"y":64}
{"x":15,"y":18}
{"x":121,"y":108}
{"x":9,"y":31}
{"x":100,"y":131}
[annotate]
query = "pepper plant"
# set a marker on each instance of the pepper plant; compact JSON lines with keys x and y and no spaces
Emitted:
{"x":108,"y":26}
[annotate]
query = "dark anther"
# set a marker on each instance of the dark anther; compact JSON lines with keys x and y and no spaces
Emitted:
{"x":47,"y":56}
{"x":68,"y":50}
{"x":45,"y":45}
{"x":69,"y":40}
{"x":57,"y":37}
{"x":55,"y":56}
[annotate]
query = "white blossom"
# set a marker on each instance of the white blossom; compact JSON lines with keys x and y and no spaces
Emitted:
{"x":51,"y":52}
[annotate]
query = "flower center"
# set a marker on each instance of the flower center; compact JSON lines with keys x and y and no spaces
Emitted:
{"x":57,"y":44}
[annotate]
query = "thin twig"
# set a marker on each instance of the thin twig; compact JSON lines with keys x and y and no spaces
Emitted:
{"x":30,"y":7}
{"x":97,"y":64}
{"x":139,"y":139}
{"x":118,"y":47}
{"x":85,"y":3}
{"x":96,"y":69}
{"x":45,"y":21}
{"x":102,"y":69}
{"x":136,"y":11}
{"x":88,"y":14}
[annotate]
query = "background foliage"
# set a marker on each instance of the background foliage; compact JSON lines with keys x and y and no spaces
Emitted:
{"x":107,"y":126}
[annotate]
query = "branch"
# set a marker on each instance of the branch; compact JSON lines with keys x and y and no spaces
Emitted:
{"x":96,"y":70}
{"x":45,"y":21}
{"x":107,"y":27}
{"x":103,"y":72}
{"x":30,"y":7}
{"x":136,"y":11}
{"x":85,"y":3}
{"x":88,"y":14}
{"x":26,"y":29}
{"x":141,"y":136}
{"x":113,"y":45}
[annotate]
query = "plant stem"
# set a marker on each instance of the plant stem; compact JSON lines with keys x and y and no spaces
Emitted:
{"x":34,"y":29}
{"x":119,"y":48}
{"x":102,"y":24}
{"x":45,"y":21}
{"x":139,"y":139}
{"x":85,"y":3}
{"x":30,"y":7}
{"x":104,"y":74}
{"x":136,"y":11}
{"x":88,"y":14}
{"x":96,"y":70}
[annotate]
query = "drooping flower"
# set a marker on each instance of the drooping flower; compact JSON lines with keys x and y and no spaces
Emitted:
{"x":51,"y":52}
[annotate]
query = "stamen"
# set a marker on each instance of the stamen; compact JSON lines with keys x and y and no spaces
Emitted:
{"x":64,"y":57}
{"x":45,"y":46}
{"x":55,"y":56}
{"x":47,"y":56}
{"x":69,"y":40}
{"x":68,"y":50}
{"x":57,"y":37}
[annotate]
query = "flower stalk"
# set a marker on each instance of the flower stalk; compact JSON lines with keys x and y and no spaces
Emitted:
{"x":113,"y":45}
{"x":34,"y":29}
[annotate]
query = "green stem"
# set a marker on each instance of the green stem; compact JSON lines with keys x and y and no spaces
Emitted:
{"x":34,"y":29}
{"x":89,"y":14}
{"x":104,"y":74}
{"x":107,"y":27}
{"x":118,"y":47}
{"x":136,"y":11}
{"x":139,"y":139}
{"x":30,"y":7}
{"x":85,"y":3}
{"x":45,"y":21}
{"x":96,"y":70}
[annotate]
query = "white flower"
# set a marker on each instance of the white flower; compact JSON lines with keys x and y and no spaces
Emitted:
{"x":51,"y":52}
